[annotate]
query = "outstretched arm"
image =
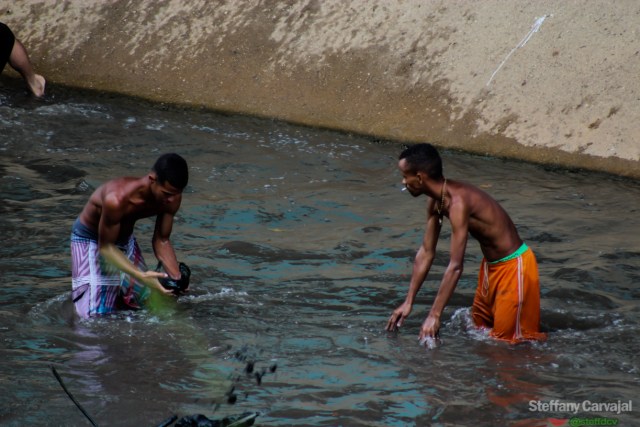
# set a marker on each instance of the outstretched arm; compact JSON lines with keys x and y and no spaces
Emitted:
{"x":19,"y":61}
{"x":460,"y":228}
{"x":162,"y":247}
{"x":421,"y":266}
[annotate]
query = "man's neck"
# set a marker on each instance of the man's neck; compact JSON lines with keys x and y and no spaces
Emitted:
{"x":141,"y":194}
{"x":434,"y":189}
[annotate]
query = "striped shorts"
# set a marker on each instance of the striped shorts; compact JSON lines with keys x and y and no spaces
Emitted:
{"x":99,"y":288}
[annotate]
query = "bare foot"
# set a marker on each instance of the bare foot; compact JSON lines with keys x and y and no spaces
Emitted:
{"x":36,"y":85}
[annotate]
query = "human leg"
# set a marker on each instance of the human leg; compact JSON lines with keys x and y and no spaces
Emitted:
{"x":529,"y":316}
{"x":507,"y":299}
{"x":95,"y":289}
{"x":482,"y":311}
{"x":134,"y":294}
{"x":517,"y":304}
{"x":19,"y":61}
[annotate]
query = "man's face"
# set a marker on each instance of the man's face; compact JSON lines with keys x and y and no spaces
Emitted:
{"x":165,"y":193}
{"x":410,"y":180}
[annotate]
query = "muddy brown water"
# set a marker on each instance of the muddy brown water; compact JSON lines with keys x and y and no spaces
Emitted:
{"x":301,"y":243}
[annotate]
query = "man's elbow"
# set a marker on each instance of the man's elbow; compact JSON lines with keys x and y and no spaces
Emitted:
{"x":456,"y":269}
{"x":160,"y":240}
{"x":425,"y":255}
{"x":104,"y":248}
{"x":107,"y":251}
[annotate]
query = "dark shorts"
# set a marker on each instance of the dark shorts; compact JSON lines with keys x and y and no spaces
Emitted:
{"x":6,"y":45}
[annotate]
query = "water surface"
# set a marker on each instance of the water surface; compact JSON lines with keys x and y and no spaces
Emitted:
{"x":301,"y":244}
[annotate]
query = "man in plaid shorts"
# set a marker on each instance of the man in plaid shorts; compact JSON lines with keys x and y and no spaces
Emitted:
{"x":108,"y":270}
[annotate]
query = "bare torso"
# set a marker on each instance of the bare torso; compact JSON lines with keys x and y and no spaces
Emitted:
{"x":132,"y":202}
{"x":488,"y":222}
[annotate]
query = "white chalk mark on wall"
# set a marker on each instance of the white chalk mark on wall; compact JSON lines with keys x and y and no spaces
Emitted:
{"x":534,"y":29}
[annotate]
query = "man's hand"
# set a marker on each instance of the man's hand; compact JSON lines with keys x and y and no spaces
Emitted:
{"x":150,"y":278}
{"x":397,"y":317}
{"x":430,"y":328}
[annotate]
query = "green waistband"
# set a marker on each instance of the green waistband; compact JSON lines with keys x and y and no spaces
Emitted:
{"x":522,"y":249}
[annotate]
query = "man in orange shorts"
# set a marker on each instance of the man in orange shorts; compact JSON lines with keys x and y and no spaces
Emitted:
{"x":507,"y":300}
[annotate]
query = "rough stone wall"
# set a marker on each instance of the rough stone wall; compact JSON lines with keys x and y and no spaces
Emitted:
{"x":547,"y":81}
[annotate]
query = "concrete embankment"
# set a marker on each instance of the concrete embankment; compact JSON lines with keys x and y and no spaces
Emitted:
{"x":553,"y":82}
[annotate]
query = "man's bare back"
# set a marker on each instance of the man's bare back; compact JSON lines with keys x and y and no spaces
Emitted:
{"x":473,"y":212}
{"x":488,"y":222}
{"x":130,"y":199}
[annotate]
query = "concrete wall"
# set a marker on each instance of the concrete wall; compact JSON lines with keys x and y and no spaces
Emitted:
{"x":546,"y":81}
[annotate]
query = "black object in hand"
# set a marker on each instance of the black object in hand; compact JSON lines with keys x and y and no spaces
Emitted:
{"x":179,"y":285}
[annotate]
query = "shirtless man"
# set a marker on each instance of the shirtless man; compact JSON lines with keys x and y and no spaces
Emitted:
{"x":507,"y":300}
{"x":108,"y":269}
{"x":13,"y":52}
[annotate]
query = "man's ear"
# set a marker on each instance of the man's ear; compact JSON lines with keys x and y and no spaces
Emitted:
{"x":152,"y":177}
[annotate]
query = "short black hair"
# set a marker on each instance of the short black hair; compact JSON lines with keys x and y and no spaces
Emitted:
{"x":172,"y":168}
{"x":423,"y":158}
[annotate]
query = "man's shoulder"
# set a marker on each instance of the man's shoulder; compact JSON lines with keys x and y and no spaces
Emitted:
{"x":117,"y":190}
{"x":122,"y":185}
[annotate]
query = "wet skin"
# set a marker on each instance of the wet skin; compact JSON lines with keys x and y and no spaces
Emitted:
{"x":470,"y":211}
{"x":114,"y":208}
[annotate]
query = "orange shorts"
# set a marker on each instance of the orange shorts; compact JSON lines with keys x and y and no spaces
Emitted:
{"x":507,"y":299}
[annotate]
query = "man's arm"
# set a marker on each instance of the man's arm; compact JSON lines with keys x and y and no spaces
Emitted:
{"x":108,"y":231}
{"x":459,"y":235}
{"x":421,"y":266}
{"x":162,"y":247}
